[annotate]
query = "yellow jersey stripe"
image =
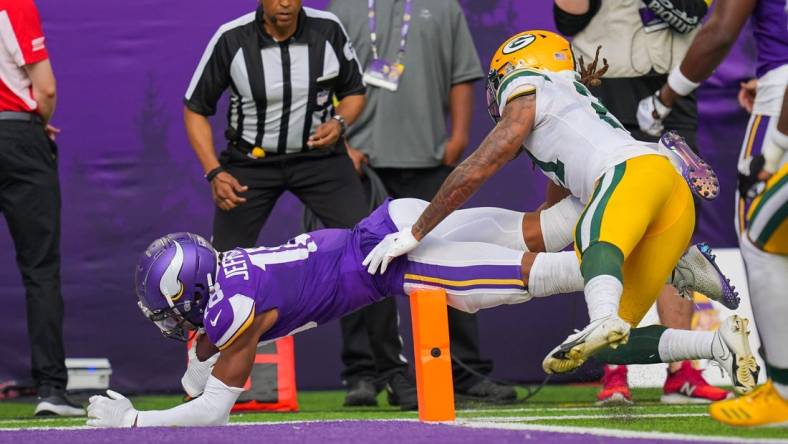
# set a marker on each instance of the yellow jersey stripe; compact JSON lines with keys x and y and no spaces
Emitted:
{"x":747,"y":152}
{"x":240,"y":331}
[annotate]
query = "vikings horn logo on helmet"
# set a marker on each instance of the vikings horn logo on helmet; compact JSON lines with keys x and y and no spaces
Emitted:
{"x":518,"y":43}
{"x":169,"y":285}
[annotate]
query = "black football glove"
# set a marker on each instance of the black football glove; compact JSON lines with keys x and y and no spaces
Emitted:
{"x":748,"y":176}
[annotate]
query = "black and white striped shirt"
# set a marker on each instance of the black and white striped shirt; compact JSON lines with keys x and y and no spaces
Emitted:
{"x":280,"y":92}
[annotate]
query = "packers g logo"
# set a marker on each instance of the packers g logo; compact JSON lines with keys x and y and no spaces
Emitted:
{"x":518,"y":43}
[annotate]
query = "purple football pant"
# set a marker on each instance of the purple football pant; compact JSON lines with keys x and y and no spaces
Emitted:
{"x":474,"y":254}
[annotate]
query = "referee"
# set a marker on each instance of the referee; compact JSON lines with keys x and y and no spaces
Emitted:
{"x":30,"y":194}
{"x":282,"y":65}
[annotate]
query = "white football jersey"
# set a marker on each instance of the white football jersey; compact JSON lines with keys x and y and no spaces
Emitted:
{"x":574,"y":139}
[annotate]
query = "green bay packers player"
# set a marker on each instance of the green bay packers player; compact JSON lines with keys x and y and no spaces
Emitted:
{"x":764,"y":247}
{"x":638,"y":217}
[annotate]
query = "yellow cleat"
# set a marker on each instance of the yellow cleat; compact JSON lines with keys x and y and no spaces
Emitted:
{"x":764,"y":407}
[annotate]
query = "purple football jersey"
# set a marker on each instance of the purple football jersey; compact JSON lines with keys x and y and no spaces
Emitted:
{"x":770,"y":28}
{"x":312,"y":279}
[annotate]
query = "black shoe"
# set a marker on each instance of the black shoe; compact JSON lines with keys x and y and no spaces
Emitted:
{"x":361,"y":393}
{"x":487,"y":391}
{"x":402,"y":392}
{"x":54,"y":402}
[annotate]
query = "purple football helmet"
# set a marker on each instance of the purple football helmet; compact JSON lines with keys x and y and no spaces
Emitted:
{"x":172,"y":281}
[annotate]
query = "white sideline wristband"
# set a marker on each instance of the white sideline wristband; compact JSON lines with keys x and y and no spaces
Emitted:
{"x":680,"y":83}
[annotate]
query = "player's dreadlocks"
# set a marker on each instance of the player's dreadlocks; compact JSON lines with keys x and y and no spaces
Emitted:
{"x":589,"y":76}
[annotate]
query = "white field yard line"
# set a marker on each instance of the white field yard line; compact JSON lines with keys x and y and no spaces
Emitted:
{"x":553,"y":417}
{"x":595,"y":408}
{"x":614,"y":433}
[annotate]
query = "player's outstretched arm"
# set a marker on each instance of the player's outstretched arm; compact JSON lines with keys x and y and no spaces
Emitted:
{"x":211,"y":408}
{"x":501,"y":145}
{"x":707,"y":51}
{"x":711,"y":45}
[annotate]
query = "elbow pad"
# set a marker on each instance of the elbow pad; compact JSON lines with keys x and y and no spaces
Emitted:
{"x":558,"y":223}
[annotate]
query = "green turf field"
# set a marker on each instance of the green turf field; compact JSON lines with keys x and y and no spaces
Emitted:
{"x":562,"y":406}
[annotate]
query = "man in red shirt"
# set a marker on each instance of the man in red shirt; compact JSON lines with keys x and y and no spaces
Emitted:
{"x":30,"y":193}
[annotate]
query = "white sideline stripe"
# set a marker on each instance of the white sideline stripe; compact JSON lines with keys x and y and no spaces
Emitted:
{"x":617,"y":433}
{"x":552,"y":417}
{"x":579,"y":408}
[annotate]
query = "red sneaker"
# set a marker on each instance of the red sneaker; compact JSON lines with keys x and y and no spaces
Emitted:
{"x":687,"y":386}
{"x":615,"y":387}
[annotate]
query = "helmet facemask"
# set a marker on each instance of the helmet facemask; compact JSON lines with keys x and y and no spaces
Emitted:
{"x":170,"y":321}
{"x":493,"y":82}
{"x":177,"y":321}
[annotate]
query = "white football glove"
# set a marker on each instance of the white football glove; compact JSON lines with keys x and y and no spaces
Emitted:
{"x":112,"y":411}
{"x":197,"y":372}
{"x":392,"y":246}
{"x":651,"y":113}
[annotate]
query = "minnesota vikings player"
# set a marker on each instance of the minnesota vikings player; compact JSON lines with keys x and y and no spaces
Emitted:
{"x":245,"y":296}
{"x":761,"y":214}
{"x":638,"y":217}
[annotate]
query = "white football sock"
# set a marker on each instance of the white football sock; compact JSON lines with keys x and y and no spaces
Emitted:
{"x":681,"y":345}
{"x":603,"y":296}
{"x":554,"y":273}
{"x":558,"y":223}
{"x":767,"y":281}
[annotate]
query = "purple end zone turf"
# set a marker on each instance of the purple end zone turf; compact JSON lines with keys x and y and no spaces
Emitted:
{"x":377,"y":432}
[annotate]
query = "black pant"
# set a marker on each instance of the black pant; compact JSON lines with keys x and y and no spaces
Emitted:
{"x":370,"y":338}
{"x":30,"y":201}
{"x":325,"y":183}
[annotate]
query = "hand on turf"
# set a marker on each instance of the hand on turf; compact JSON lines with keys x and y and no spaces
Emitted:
{"x":392,"y":246}
{"x":225,"y":189}
{"x":651,"y":113}
{"x":113,"y":410}
{"x":197,"y":372}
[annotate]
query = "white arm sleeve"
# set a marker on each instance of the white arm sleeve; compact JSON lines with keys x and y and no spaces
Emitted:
{"x":210,"y":409}
{"x":197,"y":372}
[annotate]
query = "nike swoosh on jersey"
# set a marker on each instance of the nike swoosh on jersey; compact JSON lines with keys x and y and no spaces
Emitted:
{"x":216,"y":319}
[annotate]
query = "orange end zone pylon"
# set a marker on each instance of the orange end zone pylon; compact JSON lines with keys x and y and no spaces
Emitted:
{"x":434,"y":383}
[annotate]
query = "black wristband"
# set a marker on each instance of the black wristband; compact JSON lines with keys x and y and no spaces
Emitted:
{"x":213,"y":173}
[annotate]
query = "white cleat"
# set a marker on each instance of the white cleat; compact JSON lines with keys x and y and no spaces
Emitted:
{"x":610,"y":331}
{"x":697,"y":270}
{"x":731,"y":351}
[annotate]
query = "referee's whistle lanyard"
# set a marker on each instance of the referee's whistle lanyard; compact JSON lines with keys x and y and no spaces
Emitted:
{"x":380,"y":72}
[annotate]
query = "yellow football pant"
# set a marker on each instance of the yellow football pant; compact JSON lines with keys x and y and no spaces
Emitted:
{"x":768,"y":215}
{"x":636,"y":226}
